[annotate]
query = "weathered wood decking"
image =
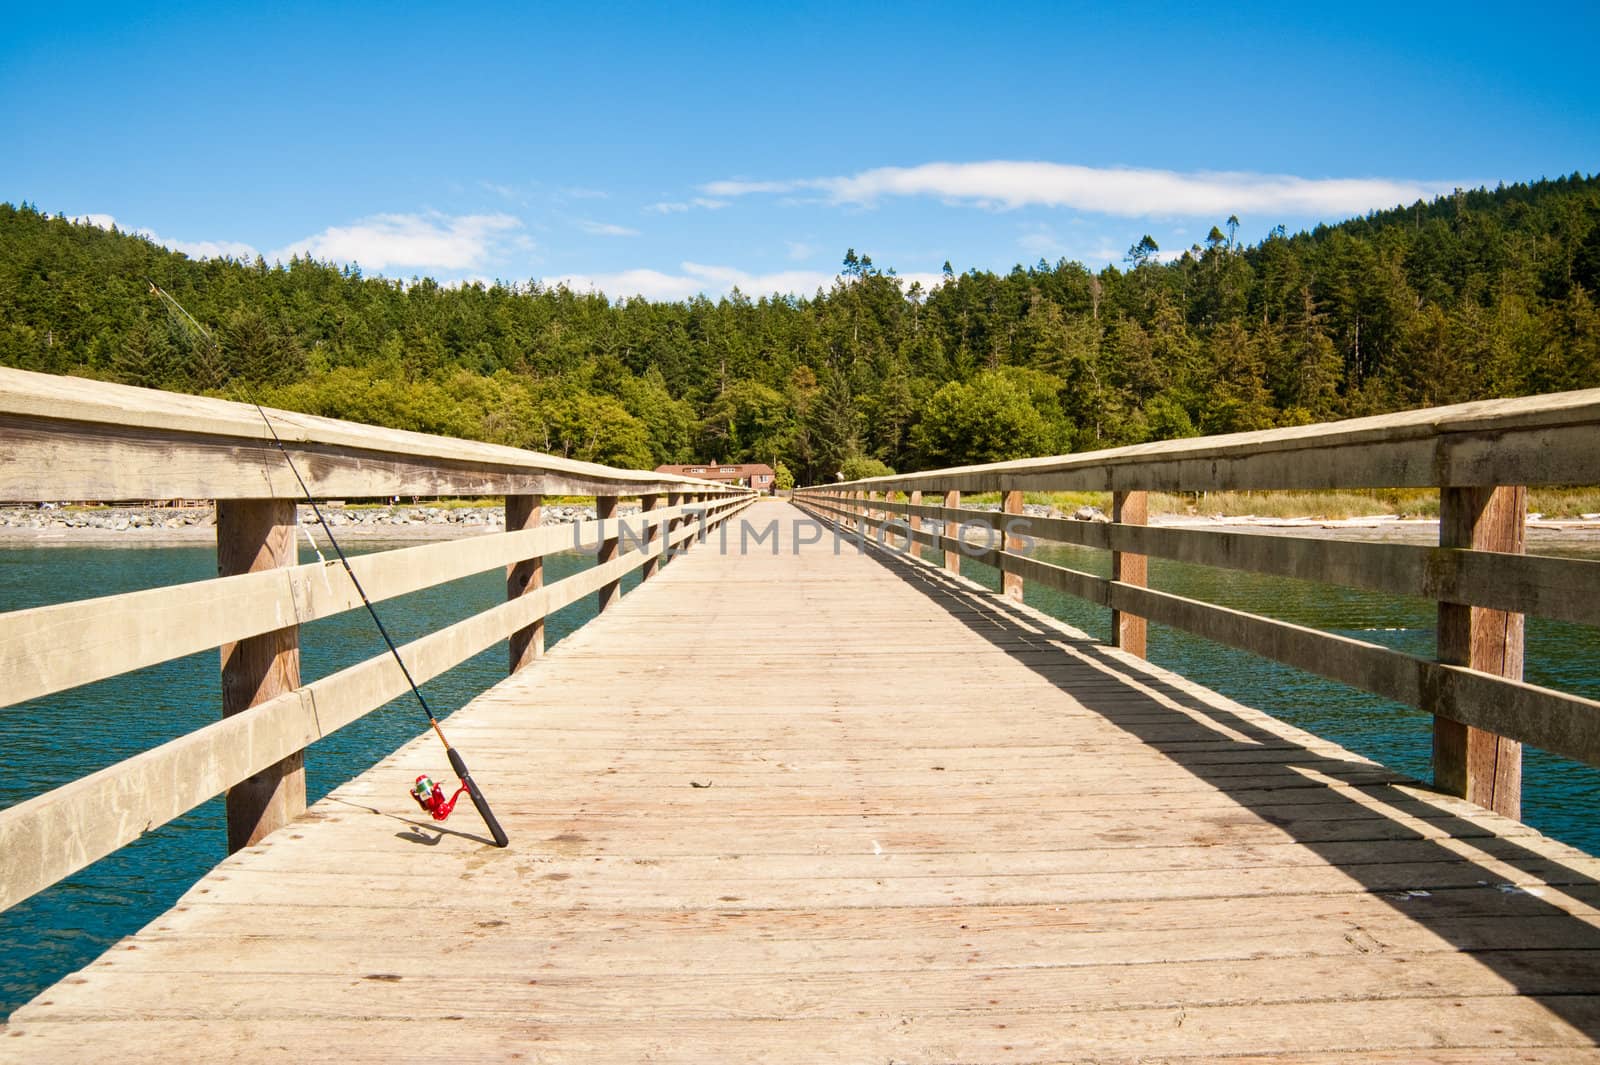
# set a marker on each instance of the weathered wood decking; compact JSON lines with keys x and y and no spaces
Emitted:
{"x":929,"y":826}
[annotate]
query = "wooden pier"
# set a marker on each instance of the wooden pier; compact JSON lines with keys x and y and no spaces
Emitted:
{"x":744,"y":832}
{"x":808,"y":798}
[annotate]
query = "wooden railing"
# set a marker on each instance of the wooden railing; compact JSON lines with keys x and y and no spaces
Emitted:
{"x":67,"y":439}
{"x":1480,"y":456}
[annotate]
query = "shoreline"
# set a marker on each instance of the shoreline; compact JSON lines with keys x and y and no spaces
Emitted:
{"x":194,"y":526}
{"x":1391,"y":529}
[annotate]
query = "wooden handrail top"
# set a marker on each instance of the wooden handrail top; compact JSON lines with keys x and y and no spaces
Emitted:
{"x":115,"y":442}
{"x":1531,"y":440}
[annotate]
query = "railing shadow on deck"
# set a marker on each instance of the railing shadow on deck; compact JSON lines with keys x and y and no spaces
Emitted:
{"x":1467,"y":892}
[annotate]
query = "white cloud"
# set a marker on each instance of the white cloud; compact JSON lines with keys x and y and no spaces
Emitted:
{"x":799,"y":249}
{"x":605,"y":229}
{"x":701,"y":279}
{"x":206,"y":249}
{"x":581,"y":193}
{"x":194,"y":249}
{"x":929,"y":282}
{"x":432,"y":241}
{"x":696,"y":279}
{"x":651,"y":284}
{"x":1127,"y":191}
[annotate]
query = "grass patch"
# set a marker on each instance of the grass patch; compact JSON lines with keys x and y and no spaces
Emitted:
{"x":1555,"y":502}
{"x":1559,"y":502}
{"x":1277,"y":504}
{"x":1564,"y":502}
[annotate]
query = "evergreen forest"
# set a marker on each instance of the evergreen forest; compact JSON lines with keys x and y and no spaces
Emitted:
{"x":1480,"y":294}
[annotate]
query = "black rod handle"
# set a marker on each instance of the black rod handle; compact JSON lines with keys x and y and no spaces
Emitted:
{"x":460,"y":766}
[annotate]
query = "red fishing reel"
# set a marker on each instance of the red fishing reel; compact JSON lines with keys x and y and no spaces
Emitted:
{"x":430,"y":797}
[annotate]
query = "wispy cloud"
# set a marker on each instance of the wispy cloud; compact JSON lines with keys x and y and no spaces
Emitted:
{"x":430,"y":241}
{"x":680,"y":206}
{"x":505,"y":192}
{"x":1041,"y":240}
{"x":1125,"y":191}
{"x":604,"y":229}
{"x":194,"y":249}
{"x":580,"y":193}
{"x":738,"y":187}
{"x":799,"y":250}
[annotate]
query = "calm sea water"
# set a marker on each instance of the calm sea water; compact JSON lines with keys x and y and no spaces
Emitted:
{"x":51,"y":741}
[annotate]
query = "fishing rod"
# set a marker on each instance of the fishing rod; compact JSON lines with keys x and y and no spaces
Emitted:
{"x":429,"y":795}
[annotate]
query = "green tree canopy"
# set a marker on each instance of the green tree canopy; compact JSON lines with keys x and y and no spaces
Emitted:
{"x":1490,"y":292}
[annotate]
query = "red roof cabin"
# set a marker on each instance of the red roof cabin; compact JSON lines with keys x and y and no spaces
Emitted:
{"x":757,"y":475}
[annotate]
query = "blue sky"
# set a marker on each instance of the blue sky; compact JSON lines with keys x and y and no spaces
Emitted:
{"x":655,"y":150}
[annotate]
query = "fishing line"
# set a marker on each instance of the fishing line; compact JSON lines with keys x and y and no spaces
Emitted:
{"x":428,"y":794}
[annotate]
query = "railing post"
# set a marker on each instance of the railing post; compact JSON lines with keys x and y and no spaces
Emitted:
{"x":1010,"y":583}
{"x":952,"y":559}
{"x":605,"y":509}
{"x":258,"y":534}
{"x":688,"y":500}
{"x":654,"y":532}
{"x":1481,"y":766}
{"x":915,"y":521}
{"x":674,"y":499}
{"x":888,"y":516}
{"x":1128,"y":630}
{"x":525,"y":577}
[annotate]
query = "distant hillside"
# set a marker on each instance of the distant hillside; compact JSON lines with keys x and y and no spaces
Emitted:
{"x":1485,"y":293}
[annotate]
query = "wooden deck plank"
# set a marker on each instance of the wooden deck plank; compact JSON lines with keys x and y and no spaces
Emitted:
{"x":934,"y":827}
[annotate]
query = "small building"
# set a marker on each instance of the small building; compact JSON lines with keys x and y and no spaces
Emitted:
{"x":757,"y":475}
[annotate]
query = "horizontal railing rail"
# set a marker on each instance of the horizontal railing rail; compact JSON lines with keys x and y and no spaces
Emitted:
{"x":1564,"y":589}
{"x":48,"y":649}
{"x":1480,"y":456}
{"x":1533,"y":440}
{"x":45,"y":650}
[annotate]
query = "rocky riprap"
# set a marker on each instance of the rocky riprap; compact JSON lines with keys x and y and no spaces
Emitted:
{"x":122,"y":519}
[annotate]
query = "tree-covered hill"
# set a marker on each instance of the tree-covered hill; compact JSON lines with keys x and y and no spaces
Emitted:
{"x":1484,"y":293}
